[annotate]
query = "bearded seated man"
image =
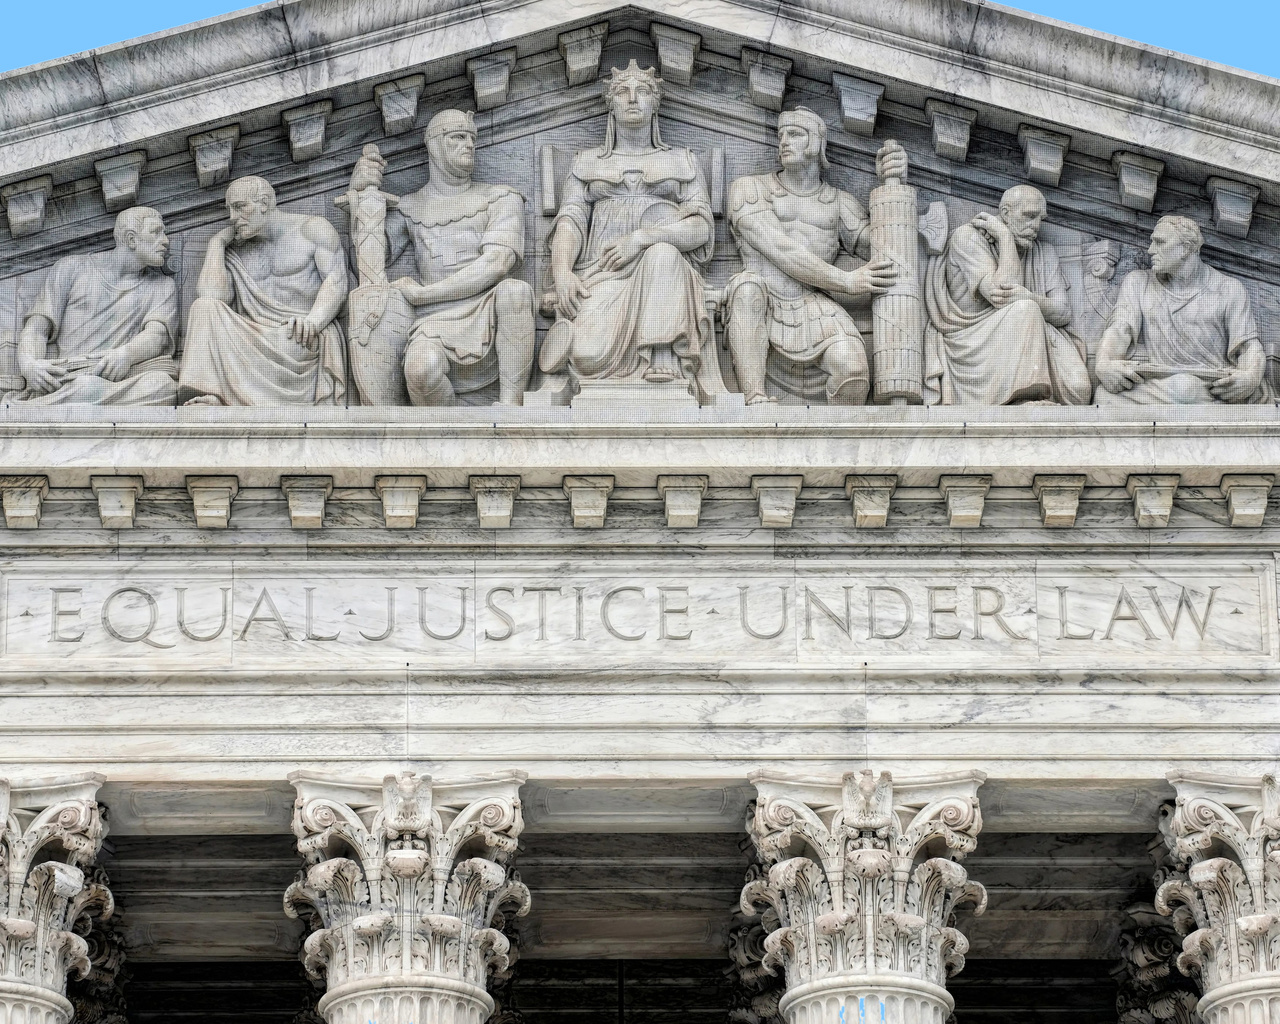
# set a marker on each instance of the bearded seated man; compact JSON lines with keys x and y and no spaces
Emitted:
{"x":1181,"y":333}
{"x":114,"y":319}
{"x":262,"y":330}
{"x":999,"y":316}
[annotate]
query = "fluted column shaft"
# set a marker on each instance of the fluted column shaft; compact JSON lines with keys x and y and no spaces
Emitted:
{"x":863,"y":880}
{"x":50,"y":830}
{"x":1224,"y":833}
{"x":404,"y":880}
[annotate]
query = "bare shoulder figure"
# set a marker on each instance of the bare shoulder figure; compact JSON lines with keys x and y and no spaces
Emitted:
{"x":785,"y":330}
{"x":263,"y":328}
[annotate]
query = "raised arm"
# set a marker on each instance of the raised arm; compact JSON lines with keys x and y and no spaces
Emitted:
{"x":214,"y":281}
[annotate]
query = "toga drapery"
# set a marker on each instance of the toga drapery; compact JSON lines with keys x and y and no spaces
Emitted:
{"x":245,"y":356}
{"x":655,"y":301}
{"x":977,"y":354}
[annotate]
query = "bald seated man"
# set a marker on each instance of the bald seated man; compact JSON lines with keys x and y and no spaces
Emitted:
{"x":999,"y":318}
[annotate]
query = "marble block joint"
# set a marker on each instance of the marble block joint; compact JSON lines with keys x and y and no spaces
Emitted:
{"x":863,"y":883}
{"x":405,"y":880}
{"x":51,"y":830}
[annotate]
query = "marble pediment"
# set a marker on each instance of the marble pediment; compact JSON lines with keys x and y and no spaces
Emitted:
{"x":982,"y":99}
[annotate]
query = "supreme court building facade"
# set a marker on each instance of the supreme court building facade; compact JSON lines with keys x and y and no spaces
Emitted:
{"x":706,"y":511}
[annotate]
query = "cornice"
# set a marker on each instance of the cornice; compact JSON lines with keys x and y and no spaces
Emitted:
{"x":1010,"y":64}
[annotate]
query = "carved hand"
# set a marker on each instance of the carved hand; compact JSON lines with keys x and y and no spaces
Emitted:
{"x":41,"y":375}
{"x":993,"y":227}
{"x":1236,"y":385}
{"x":305,"y":331}
{"x":570,"y":291}
{"x":876,"y":278}
{"x":891,"y":162}
{"x":1001,"y":294}
{"x":1118,"y":375}
{"x":414,"y":293}
{"x":224,"y":237}
{"x":617,"y":255}
{"x":368,"y":172}
{"x":114,"y":365}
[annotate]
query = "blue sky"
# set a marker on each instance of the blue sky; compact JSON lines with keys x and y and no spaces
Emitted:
{"x":1242,"y":33}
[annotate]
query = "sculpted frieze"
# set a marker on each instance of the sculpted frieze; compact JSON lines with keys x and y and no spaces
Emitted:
{"x":1181,"y":333}
{"x":263,"y":329}
{"x":634,"y":226}
{"x":113,"y":317}
{"x":780,"y":319}
{"x":465,"y":322}
{"x":999,"y":316}
{"x":686,"y":272}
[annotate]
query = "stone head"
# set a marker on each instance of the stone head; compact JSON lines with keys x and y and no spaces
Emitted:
{"x":1174,"y":241}
{"x":802,"y":138}
{"x":451,"y":142}
{"x":140,"y":230}
{"x":1023,"y":209}
{"x":633,"y":94}
{"x":250,"y":203}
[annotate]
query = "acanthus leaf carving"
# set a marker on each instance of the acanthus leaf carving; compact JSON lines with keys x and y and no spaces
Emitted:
{"x":1223,"y":835}
{"x":863,"y":880}
{"x":406,"y":881}
{"x":50,"y":833}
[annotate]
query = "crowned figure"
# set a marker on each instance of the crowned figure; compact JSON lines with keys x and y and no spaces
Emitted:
{"x":634,"y":226}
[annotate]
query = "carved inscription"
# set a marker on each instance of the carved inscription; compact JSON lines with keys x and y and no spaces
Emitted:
{"x":281,"y":616}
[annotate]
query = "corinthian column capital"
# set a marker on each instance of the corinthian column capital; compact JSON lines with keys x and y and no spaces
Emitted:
{"x":404,"y":880}
{"x":1224,"y":832}
{"x":863,"y":881}
{"x":50,"y":831}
